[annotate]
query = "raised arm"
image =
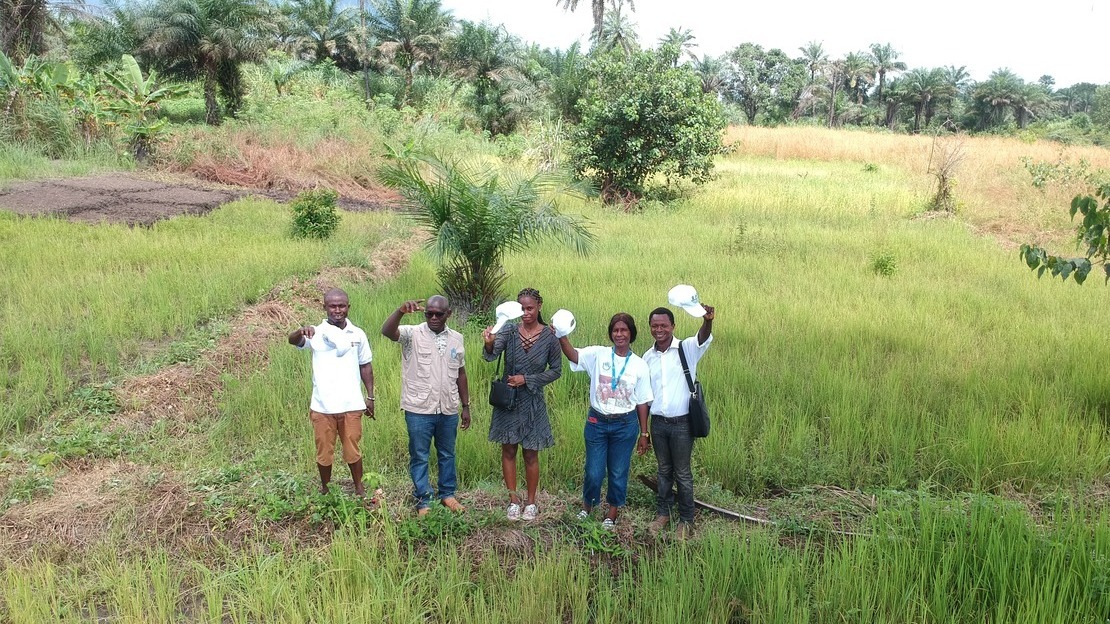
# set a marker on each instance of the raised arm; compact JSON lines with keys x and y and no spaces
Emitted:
{"x":568,"y":349}
{"x":706,"y":324}
{"x":390,"y":326}
{"x":296,"y":338}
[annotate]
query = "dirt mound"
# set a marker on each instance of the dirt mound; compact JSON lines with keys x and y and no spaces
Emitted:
{"x":136,"y":200}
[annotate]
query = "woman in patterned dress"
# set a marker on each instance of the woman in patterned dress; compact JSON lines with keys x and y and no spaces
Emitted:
{"x":533,"y":359}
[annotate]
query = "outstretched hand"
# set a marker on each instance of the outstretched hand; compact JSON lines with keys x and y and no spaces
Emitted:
{"x":414,"y":305}
{"x":710,"y":312}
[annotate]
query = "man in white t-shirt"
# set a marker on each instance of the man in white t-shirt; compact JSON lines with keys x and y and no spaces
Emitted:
{"x":340,"y":360}
{"x":670,"y":408}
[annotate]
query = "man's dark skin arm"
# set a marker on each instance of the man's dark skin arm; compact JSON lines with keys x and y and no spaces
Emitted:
{"x":706,"y":324}
{"x":297,"y":337}
{"x":366,"y":371}
{"x":464,"y":398}
{"x":391,"y":326}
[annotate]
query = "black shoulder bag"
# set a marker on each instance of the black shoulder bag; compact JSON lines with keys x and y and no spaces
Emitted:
{"x":501,"y":394}
{"x":699,"y":412}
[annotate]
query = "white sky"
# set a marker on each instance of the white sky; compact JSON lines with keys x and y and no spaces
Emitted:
{"x":1063,"y":38}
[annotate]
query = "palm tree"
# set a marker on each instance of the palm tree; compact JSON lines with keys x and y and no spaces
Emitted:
{"x":921,"y":88}
{"x":997,"y":94}
{"x":411,"y":33}
{"x":617,"y":31}
{"x":597,"y":7}
{"x":681,"y":40}
{"x":210,"y":38}
{"x":320,"y":26}
{"x":489,"y":58}
{"x":711,"y":70}
{"x":814,"y":56}
{"x":475,"y":217}
{"x":885,"y":60}
{"x":858,"y":73}
{"x":1030,"y":101}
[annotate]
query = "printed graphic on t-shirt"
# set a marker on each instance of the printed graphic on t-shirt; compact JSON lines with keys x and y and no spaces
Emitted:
{"x":618,"y":399}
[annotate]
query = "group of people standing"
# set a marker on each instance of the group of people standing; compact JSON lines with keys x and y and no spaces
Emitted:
{"x":635,"y":402}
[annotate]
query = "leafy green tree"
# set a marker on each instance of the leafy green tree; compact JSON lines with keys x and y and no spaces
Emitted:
{"x":209,"y":38}
{"x":476,"y":217}
{"x":282,"y":70}
{"x":321,"y":28}
{"x":884,"y":58}
{"x":1100,"y":106}
{"x":923,"y":88}
{"x":491,"y":61}
{"x":597,"y":9}
{"x":753,"y":76}
{"x":412,"y":34}
{"x":643,"y":117}
{"x":1029,"y":102}
{"x":1092,"y":233}
{"x":102,"y":40}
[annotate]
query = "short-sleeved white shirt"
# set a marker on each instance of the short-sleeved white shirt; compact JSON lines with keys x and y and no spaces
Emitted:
{"x":668,"y":382}
{"x":632,"y":387}
{"x":336,"y":382}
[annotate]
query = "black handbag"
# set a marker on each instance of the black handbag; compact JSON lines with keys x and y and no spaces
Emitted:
{"x":699,"y":411}
{"x":501,"y":394}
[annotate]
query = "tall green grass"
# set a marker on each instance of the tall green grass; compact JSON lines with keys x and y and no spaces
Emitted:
{"x":80,"y":301}
{"x":952,"y":372}
{"x":923,"y":560}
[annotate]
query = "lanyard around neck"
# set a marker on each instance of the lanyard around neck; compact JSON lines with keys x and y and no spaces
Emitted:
{"x":613,"y":361}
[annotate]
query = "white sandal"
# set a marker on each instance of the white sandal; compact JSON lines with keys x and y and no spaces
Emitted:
{"x":513,"y":512}
{"x":530,"y":512}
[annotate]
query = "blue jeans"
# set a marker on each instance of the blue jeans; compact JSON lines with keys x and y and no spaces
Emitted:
{"x":423,"y":428}
{"x":609,"y":445}
{"x":670,"y":437}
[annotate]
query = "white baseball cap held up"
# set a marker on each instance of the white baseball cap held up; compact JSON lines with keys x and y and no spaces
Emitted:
{"x":685,"y":297}
{"x":508,"y":311}
{"x":563,"y":322}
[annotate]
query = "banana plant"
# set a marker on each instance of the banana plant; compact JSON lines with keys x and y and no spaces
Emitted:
{"x":137,"y":103}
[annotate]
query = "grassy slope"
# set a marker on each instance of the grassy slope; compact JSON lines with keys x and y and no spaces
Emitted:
{"x":947,"y":377}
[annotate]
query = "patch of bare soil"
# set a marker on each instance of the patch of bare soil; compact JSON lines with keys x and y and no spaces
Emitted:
{"x":137,"y":200}
{"x":78,"y":512}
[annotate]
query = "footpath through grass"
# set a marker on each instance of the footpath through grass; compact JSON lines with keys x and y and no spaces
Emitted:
{"x":858,"y":344}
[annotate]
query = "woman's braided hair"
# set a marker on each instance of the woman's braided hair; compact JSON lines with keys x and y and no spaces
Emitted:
{"x":534,"y":294}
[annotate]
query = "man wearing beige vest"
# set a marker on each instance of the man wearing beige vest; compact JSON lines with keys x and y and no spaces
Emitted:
{"x":433,"y":389}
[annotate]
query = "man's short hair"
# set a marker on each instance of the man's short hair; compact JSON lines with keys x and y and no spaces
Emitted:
{"x":664,"y":311}
{"x":437,"y":299}
{"x":628,"y":320}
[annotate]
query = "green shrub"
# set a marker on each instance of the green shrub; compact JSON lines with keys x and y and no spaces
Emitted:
{"x":315,"y":214}
{"x":642,"y":117}
{"x":884,"y":264}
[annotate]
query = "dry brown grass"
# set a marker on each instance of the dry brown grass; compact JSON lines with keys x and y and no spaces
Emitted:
{"x":994,"y":188}
{"x":245,"y":158}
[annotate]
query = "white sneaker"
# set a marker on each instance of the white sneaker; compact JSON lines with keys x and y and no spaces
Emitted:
{"x":583,"y":515}
{"x":608,"y":524}
{"x":513,"y":513}
{"x":530,"y":512}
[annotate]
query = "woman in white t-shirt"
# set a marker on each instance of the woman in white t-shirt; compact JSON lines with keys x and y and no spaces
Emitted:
{"x":617,"y":422}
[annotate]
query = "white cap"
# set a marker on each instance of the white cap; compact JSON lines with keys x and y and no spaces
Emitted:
{"x":685,"y":297}
{"x":563,"y":322}
{"x":507,"y":311}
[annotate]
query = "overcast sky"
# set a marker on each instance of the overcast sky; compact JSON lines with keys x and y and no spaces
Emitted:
{"x":1063,"y":38}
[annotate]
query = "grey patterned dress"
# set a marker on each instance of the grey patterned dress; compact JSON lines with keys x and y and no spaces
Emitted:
{"x":527,"y":424}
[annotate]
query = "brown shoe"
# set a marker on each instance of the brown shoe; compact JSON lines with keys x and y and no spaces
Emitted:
{"x":684,"y":531}
{"x":453,"y":504}
{"x":656,"y":527}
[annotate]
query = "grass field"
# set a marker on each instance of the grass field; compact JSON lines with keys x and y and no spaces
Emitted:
{"x":920,"y":418}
